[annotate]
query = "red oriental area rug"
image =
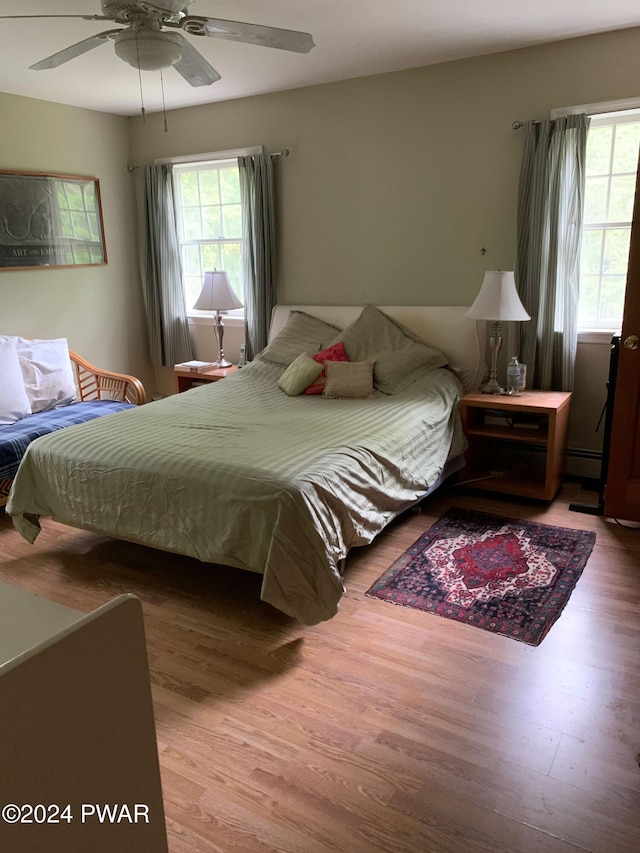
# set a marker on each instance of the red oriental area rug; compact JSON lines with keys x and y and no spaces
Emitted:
{"x":504,"y":575}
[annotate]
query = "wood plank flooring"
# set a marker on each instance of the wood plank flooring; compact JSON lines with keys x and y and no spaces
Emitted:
{"x":384,"y":729}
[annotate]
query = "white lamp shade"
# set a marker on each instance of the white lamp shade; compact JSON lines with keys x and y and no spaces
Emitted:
{"x":217,"y":293}
{"x":498,"y":299}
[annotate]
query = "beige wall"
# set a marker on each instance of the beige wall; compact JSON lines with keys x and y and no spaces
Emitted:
{"x":397,"y":183}
{"x":99,"y":309}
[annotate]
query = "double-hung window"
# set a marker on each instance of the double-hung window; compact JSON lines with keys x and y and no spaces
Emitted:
{"x":209,"y":219}
{"x":611,"y":165}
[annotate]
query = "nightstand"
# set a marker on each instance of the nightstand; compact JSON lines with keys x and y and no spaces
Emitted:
{"x":185,"y":379}
{"x":516,"y":444}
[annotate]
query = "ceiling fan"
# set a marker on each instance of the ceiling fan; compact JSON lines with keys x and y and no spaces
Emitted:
{"x":149,"y":37}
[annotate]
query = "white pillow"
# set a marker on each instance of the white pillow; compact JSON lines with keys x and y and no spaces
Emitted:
{"x":47,"y":373}
{"x":14,"y":403}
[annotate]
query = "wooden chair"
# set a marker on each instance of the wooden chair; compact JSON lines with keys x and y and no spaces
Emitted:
{"x":97,"y":384}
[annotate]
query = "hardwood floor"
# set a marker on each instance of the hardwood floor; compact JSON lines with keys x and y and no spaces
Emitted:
{"x":385,"y":729}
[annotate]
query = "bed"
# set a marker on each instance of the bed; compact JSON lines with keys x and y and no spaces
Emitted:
{"x":240,"y":473}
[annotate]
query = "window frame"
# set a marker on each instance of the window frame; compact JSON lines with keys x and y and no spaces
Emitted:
{"x":197,"y":161}
{"x":626,"y":110}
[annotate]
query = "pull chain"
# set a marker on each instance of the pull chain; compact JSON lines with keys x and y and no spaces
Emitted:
{"x":164,"y":106}
{"x":142,"y":109}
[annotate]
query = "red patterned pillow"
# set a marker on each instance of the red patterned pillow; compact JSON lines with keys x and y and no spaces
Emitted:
{"x":335,"y":352}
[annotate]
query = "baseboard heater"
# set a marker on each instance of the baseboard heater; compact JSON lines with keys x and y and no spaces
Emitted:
{"x":584,"y":453}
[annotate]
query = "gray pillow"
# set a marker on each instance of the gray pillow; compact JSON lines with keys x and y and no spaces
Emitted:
{"x":400,"y":356}
{"x":301,"y":333}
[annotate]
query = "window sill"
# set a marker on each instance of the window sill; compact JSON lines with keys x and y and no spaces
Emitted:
{"x":597,"y":336}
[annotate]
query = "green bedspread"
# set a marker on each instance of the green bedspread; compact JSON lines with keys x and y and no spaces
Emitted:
{"x":237,"y":473}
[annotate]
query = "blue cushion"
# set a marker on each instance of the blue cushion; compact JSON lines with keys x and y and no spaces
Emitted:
{"x":15,"y":438}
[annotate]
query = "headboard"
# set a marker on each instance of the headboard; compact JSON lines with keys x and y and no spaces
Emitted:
{"x":462,"y":340}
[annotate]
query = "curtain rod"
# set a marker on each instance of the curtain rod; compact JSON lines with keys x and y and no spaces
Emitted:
{"x":284,"y":153}
{"x":516,"y":125}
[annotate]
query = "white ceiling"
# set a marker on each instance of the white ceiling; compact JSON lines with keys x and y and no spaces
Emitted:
{"x":354,"y":38}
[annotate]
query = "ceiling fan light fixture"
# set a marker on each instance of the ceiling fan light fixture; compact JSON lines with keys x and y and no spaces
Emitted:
{"x":148,"y":50}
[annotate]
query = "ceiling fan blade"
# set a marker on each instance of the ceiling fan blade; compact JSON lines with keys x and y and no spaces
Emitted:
{"x":32,"y":17}
{"x":74,"y":50}
{"x":194,"y":67}
{"x":247,"y":33}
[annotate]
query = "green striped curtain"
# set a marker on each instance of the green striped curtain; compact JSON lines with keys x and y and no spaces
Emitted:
{"x":548,"y":248}
{"x":258,"y":248}
{"x":167,"y":325}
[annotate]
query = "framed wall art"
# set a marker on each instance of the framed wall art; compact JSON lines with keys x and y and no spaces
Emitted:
{"x":49,"y":220}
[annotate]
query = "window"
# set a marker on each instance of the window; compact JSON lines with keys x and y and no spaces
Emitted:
{"x":611,"y":165}
{"x":209,"y":222}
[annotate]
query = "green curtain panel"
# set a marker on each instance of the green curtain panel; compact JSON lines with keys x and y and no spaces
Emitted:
{"x":550,"y":202}
{"x":258,"y":248}
{"x":168,"y":329}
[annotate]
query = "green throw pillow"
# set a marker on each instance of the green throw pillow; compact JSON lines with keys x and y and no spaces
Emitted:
{"x":301,"y":372}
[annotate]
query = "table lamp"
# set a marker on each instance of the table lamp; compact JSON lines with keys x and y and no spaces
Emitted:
{"x":497,"y":301}
{"x":218,"y":295}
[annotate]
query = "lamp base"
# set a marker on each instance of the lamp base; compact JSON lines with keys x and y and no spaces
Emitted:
{"x":219,"y":330}
{"x":495,"y":341}
{"x":492,"y":387}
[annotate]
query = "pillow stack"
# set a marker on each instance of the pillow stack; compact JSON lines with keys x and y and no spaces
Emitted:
{"x":36,"y":376}
{"x":333,"y":353}
{"x":375,"y":351}
{"x":330,"y":373}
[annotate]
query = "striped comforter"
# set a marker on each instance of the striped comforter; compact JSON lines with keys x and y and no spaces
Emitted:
{"x":239,"y":474}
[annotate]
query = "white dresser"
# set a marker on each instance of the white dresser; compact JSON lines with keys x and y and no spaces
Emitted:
{"x":78,"y":753}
